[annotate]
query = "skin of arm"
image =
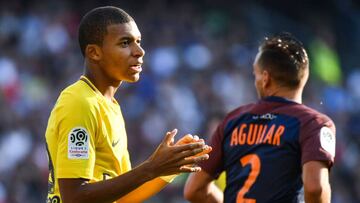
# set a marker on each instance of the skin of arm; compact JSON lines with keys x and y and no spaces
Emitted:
{"x":200,"y":188}
{"x":316,"y":182}
{"x":144,"y":192}
{"x":152,"y":187}
{"x":166,"y":160}
{"x":80,"y":190}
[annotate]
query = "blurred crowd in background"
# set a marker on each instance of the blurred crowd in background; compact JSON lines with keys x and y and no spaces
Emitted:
{"x":198,"y":66}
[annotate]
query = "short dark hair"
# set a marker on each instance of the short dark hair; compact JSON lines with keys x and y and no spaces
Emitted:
{"x":93,"y":25}
{"x":285,"y":58}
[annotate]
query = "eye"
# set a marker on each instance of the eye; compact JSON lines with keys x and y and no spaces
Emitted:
{"x":124,"y":43}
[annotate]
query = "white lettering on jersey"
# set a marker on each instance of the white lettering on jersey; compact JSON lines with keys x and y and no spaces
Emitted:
{"x":78,"y":143}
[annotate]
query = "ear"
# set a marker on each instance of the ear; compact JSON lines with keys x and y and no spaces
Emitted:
{"x":93,"y":52}
{"x":266,"y":79}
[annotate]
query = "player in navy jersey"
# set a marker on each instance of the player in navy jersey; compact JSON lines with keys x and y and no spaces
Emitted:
{"x":276,"y":150}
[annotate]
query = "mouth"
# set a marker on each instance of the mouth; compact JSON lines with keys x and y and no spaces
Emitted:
{"x":136,"y":68}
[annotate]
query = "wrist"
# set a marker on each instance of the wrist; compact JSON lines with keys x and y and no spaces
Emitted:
{"x":149,"y":171}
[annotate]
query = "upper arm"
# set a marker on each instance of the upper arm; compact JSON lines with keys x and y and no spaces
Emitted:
{"x":317,"y":141}
{"x":76,"y":132}
{"x":316,"y":181}
{"x":71,"y":141}
{"x":315,"y":174}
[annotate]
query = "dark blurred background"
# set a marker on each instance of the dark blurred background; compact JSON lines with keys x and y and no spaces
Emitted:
{"x":198,"y":66}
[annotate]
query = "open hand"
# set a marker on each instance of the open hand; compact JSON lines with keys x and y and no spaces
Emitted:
{"x":170,"y":158}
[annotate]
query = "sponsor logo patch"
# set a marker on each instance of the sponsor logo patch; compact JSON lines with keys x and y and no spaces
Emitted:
{"x":78,"y":143}
{"x":55,"y":199}
{"x":327,"y":140}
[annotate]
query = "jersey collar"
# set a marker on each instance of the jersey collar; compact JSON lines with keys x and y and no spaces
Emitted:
{"x":93,"y":87}
{"x":278,"y":99}
{"x":88,"y":82}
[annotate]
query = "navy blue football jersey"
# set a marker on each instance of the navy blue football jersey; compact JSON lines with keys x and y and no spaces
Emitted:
{"x":262,"y":147}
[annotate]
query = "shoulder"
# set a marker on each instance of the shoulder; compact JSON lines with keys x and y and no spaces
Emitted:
{"x":238,"y":112}
{"x":77,"y":97}
{"x":244,"y":109}
{"x":318,"y":128}
{"x":309,"y":116}
{"x":317,"y":136}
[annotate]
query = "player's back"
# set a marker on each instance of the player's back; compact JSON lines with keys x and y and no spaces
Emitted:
{"x":264,"y":146}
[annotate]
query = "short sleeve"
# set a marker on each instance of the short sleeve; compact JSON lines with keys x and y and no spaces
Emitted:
{"x":125,"y":161}
{"x":213,"y":166}
{"x":318,"y":141}
{"x":77,"y":125}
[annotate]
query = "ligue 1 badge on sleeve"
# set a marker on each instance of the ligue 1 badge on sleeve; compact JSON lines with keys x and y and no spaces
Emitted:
{"x":78,"y":143}
{"x":327,"y":140}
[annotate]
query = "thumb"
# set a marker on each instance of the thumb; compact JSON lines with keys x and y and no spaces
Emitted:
{"x":169,"y":137}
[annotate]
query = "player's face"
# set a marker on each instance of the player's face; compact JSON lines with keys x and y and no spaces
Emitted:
{"x":122,"y":55}
{"x":258,"y":73}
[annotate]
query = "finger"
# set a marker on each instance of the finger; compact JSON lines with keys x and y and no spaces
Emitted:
{"x":188,"y":154}
{"x":207,"y":150}
{"x":190,"y":169}
{"x":186,"y":147}
{"x":198,"y":159}
{"x":194,"y":159}
{"x":169,"y":137}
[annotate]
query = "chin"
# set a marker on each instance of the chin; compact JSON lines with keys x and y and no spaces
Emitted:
{"x":133,"y":79}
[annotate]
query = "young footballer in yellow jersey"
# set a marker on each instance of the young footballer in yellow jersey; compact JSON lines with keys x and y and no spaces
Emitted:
{"x":85,"y":136}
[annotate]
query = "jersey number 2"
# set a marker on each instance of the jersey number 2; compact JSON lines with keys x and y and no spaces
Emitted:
{"x":255,"y":164}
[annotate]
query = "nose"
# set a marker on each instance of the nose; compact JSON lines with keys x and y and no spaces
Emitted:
{"x":138,"y":51}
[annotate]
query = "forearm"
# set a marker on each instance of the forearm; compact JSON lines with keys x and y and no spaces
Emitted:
{"x":112,"y":189}
{"x":166,"y":160}
{"x":144,"y":192}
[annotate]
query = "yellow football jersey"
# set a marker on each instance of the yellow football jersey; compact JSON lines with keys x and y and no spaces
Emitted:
{"x":85,"y":137}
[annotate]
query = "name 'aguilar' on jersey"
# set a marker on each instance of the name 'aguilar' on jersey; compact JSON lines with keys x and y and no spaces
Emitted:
{"x":263,"y":146}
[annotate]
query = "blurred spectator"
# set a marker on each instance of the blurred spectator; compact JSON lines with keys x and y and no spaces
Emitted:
{"x":197,"y":67}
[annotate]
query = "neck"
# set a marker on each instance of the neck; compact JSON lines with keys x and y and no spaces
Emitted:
{"x":106,"y":86}
{"x":290,"y":94}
